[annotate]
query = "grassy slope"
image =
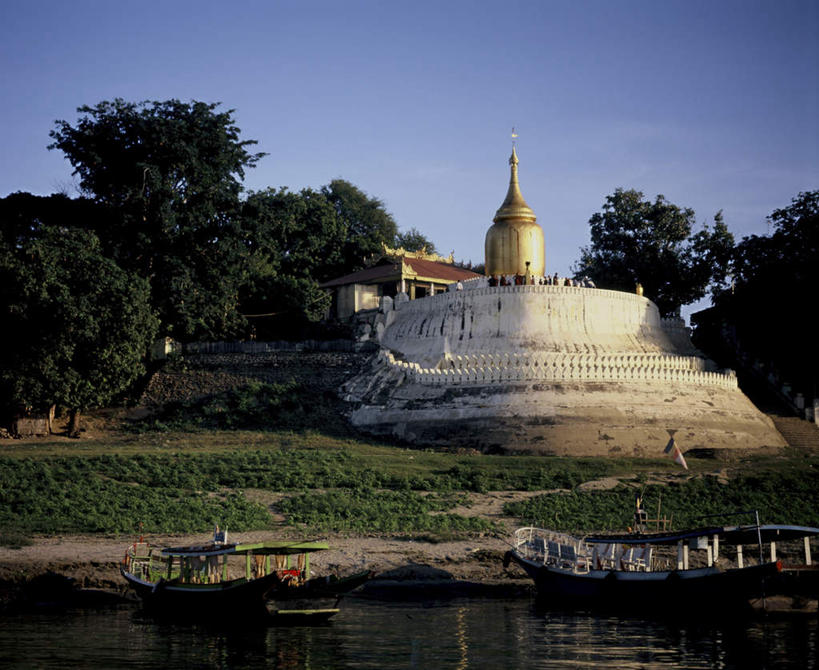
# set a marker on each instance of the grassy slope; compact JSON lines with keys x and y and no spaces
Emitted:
{"x":192,"y":465}
{"x":186,"y":481}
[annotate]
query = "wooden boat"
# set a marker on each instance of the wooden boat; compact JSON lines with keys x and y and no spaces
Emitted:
{"x":234,"y":579}
{"x":670,"y":571}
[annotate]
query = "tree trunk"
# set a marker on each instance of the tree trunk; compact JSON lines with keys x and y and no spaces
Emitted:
{"x":74,"y":423}
{"x":51,"y":411}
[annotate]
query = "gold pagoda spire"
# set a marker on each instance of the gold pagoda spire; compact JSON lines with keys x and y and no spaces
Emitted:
{"x":514,"y":244}
{"x":514,"y":206}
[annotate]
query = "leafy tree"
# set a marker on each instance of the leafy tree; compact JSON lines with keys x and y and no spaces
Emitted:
{"x":767,"y":313}
{"x":291,"y":239}
{"x":295,"y":241}
{"x":24,"y":216}
{"x":77,"y":326}
{"x":414,"y":240}
{"x":636,"y":241}
{"x":169,"y":175}
{"x":366,"y":225}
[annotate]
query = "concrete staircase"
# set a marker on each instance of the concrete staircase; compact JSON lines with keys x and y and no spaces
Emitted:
{"x":797,"y":432}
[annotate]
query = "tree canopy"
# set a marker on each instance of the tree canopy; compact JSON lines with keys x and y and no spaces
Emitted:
{"x":414,"y":240}
{"x":177,"y":249}
{"x":636,"y":241}
{"x":168,"y":174}
{"x":77,"y":326}
{"x":291,"y":239}
{"x":766,"y":310}
{"x":365,"y":225}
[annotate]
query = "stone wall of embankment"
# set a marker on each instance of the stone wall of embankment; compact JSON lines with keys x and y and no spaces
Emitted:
{"x":194,"y":376}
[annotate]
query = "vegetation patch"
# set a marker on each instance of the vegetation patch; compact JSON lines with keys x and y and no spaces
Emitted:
{"x":780,"y":497}
{"x":367,"y":510}
{"x":185,"y":482}
{"x":255,"y":406}
{"x":70,"y":497}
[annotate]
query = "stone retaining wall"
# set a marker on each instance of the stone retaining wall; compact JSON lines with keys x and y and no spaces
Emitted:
{"x":197,"y":375}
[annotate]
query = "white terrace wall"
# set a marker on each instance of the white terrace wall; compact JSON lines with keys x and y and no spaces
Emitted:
{"x":526,"y":319}
{"x":562,"y":367}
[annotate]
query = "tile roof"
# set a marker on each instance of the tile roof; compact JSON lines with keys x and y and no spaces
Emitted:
{"x":442,"y":272}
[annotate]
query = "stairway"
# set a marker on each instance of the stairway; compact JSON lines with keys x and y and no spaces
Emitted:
{"x":797,"y":432}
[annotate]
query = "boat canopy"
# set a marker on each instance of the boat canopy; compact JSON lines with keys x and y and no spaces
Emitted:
{"x":277,"y":548}
{"x":769,"y":533}
{"x":670,"y":537}
{"x":733,"y":535}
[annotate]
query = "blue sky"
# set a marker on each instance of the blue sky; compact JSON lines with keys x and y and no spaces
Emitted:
{"x":713,"y":104}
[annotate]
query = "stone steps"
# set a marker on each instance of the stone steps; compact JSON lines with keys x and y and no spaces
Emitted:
{"x":797,"y":432}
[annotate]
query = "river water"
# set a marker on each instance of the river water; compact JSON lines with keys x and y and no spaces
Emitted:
{"x":373,"y":634}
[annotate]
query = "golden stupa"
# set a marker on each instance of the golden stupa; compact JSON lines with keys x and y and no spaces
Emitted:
{"x":514,"y":244}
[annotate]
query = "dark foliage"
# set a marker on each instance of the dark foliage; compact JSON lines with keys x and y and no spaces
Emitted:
{"x":651,"y":243}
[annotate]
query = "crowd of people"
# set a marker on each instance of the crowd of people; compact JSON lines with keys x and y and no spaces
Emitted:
{"x":547,"y":280}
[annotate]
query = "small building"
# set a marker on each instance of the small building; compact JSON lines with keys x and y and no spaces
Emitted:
{"x":416,"y":273}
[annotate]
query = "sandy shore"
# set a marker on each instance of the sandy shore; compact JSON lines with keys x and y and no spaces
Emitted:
{"x":93,"y":561}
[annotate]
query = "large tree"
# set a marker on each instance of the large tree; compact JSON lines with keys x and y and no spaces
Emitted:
{"x":414,"y":240}
{"x":77,"y":327}
{"x":767,"y":313}
{"x":295,"y":241}
{"x":292,"y":242}
{"x":636,"y":241}
{"x":365,"y":222}
{"x":25,"y":217}
{"x":169,"y":173}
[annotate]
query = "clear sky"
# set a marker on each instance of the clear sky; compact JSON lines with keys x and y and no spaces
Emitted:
{"x":714,"y":104}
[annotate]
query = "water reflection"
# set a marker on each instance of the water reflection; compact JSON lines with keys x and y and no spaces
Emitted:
{"x":367,"y":634}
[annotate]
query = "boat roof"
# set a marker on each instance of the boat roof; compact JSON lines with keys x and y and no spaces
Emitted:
{"x":727,"y":534}
{"x":669,"y":537}
{"x":769,"y":533}
{"x":277,"y":548}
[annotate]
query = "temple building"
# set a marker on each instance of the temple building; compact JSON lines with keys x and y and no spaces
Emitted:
{"x":531,"y":366}
{"x":417,"y":274}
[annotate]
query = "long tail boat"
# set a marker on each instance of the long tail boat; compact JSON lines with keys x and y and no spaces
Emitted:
{"x":670,"y":571}
{"x":219,"y":578}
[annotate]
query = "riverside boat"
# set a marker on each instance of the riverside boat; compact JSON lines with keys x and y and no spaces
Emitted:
{"x":269,"y":579}
{"x":668,"y":571}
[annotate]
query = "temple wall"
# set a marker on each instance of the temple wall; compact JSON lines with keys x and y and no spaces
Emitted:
{"x":493,"y":368}
{"x":548,"y":369}
{"x":525,"y":319}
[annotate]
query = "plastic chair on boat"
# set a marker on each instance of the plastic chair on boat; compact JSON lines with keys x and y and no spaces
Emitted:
{"x":553,"y":555}
{"x":605,"y":556}
{"x":627,"y":559}
{"x":540,"y":549}
{"x":637,"y":560}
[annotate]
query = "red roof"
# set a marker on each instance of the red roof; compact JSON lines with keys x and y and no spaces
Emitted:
{"x":441,"y":272}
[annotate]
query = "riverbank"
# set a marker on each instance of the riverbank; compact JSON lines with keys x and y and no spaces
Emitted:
{"x":401,"y":567}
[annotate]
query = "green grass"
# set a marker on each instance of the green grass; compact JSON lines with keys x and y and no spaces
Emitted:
{"x":787,"y":497}
{"x":185,"y":481}
{"x":191,"y":490}
{"x":369,"y":511}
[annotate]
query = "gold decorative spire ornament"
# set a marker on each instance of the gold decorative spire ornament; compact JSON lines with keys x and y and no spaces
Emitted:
{"x":514,"y":244}
{"x":514,"y":206}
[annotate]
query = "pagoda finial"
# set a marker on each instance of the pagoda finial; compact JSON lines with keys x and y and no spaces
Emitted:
{"x":514,"y":206}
